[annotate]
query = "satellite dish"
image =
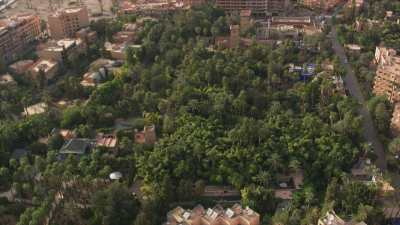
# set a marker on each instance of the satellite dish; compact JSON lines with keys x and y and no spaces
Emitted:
{"x":115,"y":175}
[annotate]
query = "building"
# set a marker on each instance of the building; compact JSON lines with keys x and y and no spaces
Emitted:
{"x":48,"y":68}
{"x":331,"y":218}
{"x":92,"y":79}
{"x":321,"y":4}
{"x":147,"y":136}
{"x":76,"y":146}
{"x":362,"y":170}
{"x":7,"y":79}
{"x":16,"y":36}
{"x":213,"y":216}
{"x":288,"y":184}
{"x":245,"y":19}
{"x":109,"y":141}
{"x":353,"y":48}
{"x":64,"y":133}
{"x":21,"y":67}
{"x":387,"y":79}
{"x":35,"y":109}
{"x":124,"y":37}
{"x":258,"y":7}
{"x":57,"y":50}
{"x":99,"y":71}
{"x":87,"y":35}
{"x":357,"y":3}
{"x":66,"y":22}
{"x":192,"y":3}
{"x":213,"y":191}
{"x":395,"y":122}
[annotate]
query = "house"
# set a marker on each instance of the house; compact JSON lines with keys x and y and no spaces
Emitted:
{"x":48,"y":68}
{"x":220,"y":192}
{"x":7,"y":79}
{"x":57,"y":50}
{"x":35,"y":109}
{"x":353,"y":47}
{"x":76,"y":146}
{"x":21,"y":67}
{"x":66,"y":134}
{"x":147,"y":136}
{"x":363,"y":170}
{"x":288,"y":184}
{"x":331,"y":218}
{"x":124,"y":37}
{"x":106,"y":140}
{"x":306,"y":71}
{"x":217,"y":215}
{"x":99,"y":70}
{"x":92,"y":79}
{"x":130,"y":27}
{"x":355,"y":3}
{"x":117,"y":51}
{"x":87,"y":35}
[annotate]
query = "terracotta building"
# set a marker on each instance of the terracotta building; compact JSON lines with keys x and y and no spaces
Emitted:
{"x":321,"y":4}
{"x":387,"y":79}
{"x":66,"y":22}
{"x":217,"y":215}
{"x":16,"y":35}
{"x":258,"y":7}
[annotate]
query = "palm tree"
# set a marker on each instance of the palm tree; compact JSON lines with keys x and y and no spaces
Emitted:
{"x":263,"y":178}
{"x":275,"y":161}
{"x":295,"y":165}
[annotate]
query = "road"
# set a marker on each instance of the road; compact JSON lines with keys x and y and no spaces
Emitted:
{"x":351,"y":84}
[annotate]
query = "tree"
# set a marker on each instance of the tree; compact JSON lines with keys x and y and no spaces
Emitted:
{"x":260,"y":199}
{"x":114,"y":206}
{"x":71,"y":117}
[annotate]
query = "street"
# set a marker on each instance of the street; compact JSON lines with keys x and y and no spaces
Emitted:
{"x":351,"y":84}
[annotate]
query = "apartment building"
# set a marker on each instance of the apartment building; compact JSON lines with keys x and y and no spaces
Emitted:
{"x":395,"y":121}
{"x":258,"y":7}
{"x":321,"y":4}
{"x":66,"y":22}
{"x":16,"y":35}
{"x":387,"y":79}
{"x":217,"y":215}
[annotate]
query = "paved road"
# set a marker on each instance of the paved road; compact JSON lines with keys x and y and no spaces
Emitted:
{"x":352,"y":85}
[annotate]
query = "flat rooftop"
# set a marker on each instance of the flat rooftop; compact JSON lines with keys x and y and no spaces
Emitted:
{"x":44,"y":65}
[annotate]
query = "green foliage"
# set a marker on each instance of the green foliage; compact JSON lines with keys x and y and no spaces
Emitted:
{"x":72,"y":117}
{"x":381,"y":111}
{"x":114,"y":206}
